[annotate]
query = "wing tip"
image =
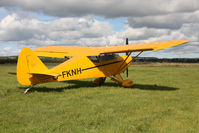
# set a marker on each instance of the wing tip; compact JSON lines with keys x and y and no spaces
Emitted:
{"x":182,"y":41}
{"x":175,"y":43}
{"x":186,"y":41}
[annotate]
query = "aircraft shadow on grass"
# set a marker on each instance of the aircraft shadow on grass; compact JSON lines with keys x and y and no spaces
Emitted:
{"x":76,"y":84}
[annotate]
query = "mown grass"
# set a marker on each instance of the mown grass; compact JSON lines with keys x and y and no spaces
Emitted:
{"x":163,"y":99}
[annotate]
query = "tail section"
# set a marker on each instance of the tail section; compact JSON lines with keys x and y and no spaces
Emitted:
{"x":30,"y":68}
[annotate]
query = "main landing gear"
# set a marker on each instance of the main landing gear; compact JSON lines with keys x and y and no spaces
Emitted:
{"x":117,"y":79}
{"x":99,"y":81}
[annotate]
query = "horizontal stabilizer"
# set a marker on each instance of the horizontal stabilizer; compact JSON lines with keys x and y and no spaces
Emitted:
{"x":55,"y":75}
{"x":12,"y":73}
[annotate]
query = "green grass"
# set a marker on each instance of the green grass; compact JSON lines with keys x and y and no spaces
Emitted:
{"x":163,"y":99}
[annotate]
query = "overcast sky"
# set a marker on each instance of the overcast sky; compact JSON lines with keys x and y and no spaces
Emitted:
{"x":37,"y":23}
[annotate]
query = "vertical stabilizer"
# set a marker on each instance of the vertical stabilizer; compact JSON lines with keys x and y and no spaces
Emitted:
{"x":28,"y":63}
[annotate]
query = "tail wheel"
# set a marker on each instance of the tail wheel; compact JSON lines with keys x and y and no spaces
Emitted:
{"x":99,"y":81}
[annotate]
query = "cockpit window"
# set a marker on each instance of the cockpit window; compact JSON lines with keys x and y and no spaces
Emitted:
{"x":107,"y":57}
{"x":103,"y":57}
{"x":95,"y":59}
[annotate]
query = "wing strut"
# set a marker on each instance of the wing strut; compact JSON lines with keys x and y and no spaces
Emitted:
{"x":131,"y":60}
{"x":135,"y":56}
{"x":129,"y":53}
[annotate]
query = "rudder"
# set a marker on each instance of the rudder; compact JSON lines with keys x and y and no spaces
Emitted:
{"x":28,"y":63}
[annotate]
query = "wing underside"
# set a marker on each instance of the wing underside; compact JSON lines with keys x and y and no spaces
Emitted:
{"x":63,"y":51}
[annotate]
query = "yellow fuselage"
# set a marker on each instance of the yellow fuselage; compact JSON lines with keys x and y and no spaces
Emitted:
{"x":83,"y":67}
{"x":31,"y":71}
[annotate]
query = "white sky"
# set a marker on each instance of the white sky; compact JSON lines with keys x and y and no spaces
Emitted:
{"x":36,"y":23}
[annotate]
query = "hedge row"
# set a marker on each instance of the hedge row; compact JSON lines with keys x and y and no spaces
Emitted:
{"x":12,"y":60}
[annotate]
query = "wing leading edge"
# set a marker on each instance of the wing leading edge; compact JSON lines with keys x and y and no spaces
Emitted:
{"x":62,"y":51}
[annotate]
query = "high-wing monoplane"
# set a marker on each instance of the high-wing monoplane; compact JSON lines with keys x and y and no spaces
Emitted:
{"x":83,"y":62}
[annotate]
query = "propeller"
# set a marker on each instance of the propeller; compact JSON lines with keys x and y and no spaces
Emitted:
{"x":127,"y":70}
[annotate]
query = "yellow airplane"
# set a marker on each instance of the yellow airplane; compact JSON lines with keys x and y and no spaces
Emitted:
{"x":84,"y":62}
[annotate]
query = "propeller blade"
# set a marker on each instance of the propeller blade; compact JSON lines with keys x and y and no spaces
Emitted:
{"x":127,"y":71}
{"x":127,"y":42}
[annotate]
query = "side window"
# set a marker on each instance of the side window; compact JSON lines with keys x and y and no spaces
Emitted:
{"x":103,"y":57}
{"x":116,"y":55}
{"x":107,"y":57}
{"x":95,"y":59}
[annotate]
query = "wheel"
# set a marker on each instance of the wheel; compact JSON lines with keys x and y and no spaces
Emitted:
{"x":99,"y":81}
{"x":127,"y":83}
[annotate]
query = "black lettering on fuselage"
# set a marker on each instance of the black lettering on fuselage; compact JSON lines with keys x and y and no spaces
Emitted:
{"x":63,"y":73}
{"x":79,"y":70}
{"x":68,"y":73}
{"x":72,"y":72}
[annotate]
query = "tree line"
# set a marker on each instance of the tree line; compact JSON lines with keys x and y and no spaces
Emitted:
{"x":169,"y":60}
{"x":13,"y":60}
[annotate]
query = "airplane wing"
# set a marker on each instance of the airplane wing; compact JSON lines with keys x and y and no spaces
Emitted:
{"x":62,"y":51}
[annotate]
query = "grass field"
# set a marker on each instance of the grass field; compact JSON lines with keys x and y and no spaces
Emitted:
{"x":164,"y":99}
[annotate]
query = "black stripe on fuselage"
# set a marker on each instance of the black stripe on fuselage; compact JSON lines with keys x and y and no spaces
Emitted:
{"x":102,"y":65}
